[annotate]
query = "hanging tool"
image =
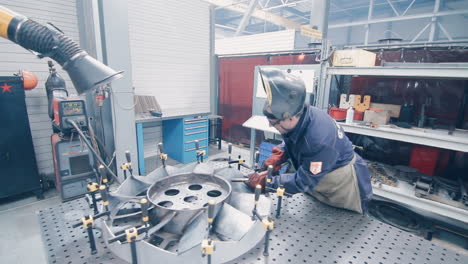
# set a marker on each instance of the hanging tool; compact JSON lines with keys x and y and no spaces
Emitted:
{"x":129,"y":162}
{"x":124,"y":167}
{"x":200,"y":152}
{"x":239,"y":161}
{"x":104,"y":197}
{"x":280,"y":192}
{"x":257,"y":159}
{"x":239,"y":179}
{"x":162,"y":155}
{"x":267,"y":223}
{"x":207,"y":245}
{"x":103,"y":174}
{"x":130,"y":236}
{"x":88,"y":223}
{"x":92,"y":190}
{"x":268,"y":178}
{"x":144,"y":212}
{"x":258,"y":190}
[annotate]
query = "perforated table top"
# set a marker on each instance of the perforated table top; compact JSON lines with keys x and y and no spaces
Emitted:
{"x":307,"y":232}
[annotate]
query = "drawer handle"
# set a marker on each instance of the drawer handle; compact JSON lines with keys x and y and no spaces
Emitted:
{"x":196,"y":132}
{"x":190,"y":149}
{"x":190,"y":141}
{"x":195,"y":119}
{"x":195,"y":127}
{"x":194,"y":122}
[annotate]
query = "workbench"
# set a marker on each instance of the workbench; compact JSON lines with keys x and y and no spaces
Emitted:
{"x":307,"y":232}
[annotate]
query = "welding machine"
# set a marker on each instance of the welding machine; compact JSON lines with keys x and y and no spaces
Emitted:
{"x":74,"y":165}
{"x":73,"y":161}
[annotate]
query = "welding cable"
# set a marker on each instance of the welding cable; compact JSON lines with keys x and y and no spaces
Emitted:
{"x":71,"y":122}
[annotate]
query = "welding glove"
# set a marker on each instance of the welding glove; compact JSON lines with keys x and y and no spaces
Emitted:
{"x":257,"y":178}
{"x":276,"y":158}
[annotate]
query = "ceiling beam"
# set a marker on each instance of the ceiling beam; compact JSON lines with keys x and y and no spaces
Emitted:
{"x":267,"y":16}
{"x":246,"y":17}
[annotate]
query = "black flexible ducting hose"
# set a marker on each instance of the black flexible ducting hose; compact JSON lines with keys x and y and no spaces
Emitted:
{"x":85,"y":72}
{"x":51,"y":43}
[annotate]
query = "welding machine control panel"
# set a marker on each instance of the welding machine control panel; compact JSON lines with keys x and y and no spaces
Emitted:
{"x":70,"y":109}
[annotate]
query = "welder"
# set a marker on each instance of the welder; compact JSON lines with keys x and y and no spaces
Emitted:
{"x":325,"y":163}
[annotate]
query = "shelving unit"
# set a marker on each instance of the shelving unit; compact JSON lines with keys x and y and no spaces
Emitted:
{"x":438,"y":70}
{"x":440,"y":138}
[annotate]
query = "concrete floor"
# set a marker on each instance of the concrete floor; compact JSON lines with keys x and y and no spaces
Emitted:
{"x":20,"y":237}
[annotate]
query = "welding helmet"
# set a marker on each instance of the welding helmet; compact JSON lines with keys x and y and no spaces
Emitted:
{"x":286,"y":93}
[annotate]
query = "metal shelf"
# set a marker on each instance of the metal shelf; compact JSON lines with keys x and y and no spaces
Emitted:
{"x":404,"y":194}
{"x":430,"y":137}
{"x":433,"y":71}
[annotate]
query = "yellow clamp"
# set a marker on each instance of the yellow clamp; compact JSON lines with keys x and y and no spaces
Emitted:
{"x":144,"y":218}
{"x":280,"y":191}
{"x":210,"y":220}
{"x":105,"y":180}
{"x":106,"y":202}
{"x":89,"y":220}
{"x":92,"y":187}
{"x":268,"y":224}
{"x":131,"y":234}
{"x":124,"y":166}
{"x":240,"y":161}
{"x":201,"y":152}
{"x":163,"y":156}
{"x":268,"y":180}
{"x":207,"y":247}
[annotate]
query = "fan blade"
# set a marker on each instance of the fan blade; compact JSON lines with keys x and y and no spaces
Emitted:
{"x":116,"y":201}
{"x":232,"y":224}
{"x":245,"y":202}
{"x":160,"y":173}
{"x":194,"y":233}
{"x":132,"y":186}
{"x":166,"y":219}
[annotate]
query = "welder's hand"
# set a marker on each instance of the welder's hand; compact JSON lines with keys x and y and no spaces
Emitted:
{"x":257,"y":178}
{"x":276,"y":158}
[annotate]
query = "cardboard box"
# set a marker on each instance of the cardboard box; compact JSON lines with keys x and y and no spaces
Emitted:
{"x":377,"y":117}
{"x":354,"y":58}
{"x":393,"y":109}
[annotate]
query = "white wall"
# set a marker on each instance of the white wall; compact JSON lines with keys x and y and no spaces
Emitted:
{"x":170,"y":53}
{"x":62,"y":13}
{"x":265,"y":42}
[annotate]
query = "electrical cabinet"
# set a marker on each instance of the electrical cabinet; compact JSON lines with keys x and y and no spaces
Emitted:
{"x":179,"y":136}
{"x":17,"y":159}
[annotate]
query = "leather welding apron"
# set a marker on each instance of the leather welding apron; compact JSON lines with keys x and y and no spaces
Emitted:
{"x":339,"y":188}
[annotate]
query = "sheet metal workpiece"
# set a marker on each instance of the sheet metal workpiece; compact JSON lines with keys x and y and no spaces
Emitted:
{"x":179,"y":215}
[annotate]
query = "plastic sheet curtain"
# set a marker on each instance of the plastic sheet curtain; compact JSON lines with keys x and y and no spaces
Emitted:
{"x":236,"y":80}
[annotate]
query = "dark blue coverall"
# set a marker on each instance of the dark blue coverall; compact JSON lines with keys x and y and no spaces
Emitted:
{"x":318,"y":138}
